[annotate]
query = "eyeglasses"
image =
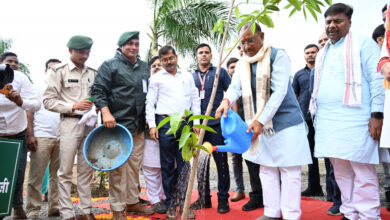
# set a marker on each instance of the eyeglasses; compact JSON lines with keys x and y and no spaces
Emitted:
{"x":171,"y":58}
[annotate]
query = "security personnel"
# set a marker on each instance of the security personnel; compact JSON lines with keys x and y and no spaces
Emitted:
{"x":67,"y":90}
{"x":119,"y":92}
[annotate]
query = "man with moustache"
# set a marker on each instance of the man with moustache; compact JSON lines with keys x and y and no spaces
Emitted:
{"x":204,"y":80}
{"x":67,"y":93}
{"x":262,"y":78}
{"x":119,"y":92}
{"x":170,"y":91}
{"x":347,"y":102}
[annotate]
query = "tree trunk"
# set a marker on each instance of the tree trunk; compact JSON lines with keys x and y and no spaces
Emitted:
{"x":208,"y":111}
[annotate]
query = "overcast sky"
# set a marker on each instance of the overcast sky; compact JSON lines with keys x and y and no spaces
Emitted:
{"x":40,"y":29}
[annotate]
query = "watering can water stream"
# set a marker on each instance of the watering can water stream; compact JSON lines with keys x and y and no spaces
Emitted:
{"x":237,"y":140}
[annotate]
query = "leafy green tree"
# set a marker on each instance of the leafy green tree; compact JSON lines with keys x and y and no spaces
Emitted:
{"x":5,"y":45}
{"x":185,"y":23}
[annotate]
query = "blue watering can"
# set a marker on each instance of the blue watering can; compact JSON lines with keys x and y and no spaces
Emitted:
{"x":234,"y":131}
{"x":107,"y":149}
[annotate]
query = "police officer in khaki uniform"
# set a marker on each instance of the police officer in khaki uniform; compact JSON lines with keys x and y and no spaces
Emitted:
{"x":68,"y":85}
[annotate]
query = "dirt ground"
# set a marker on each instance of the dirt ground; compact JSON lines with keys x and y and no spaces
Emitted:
{"x":214,"y":180}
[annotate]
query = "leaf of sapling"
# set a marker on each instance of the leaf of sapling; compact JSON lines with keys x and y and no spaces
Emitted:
{"x":163,"y":122}
{"x":236,"y":11}
{"x":169,"y":131}
{"x":175,"y":123}
{"x":296,"y":4}
{"x":272,"y":8}
{"x":183,"y":139}
{"x":194,"y":117}
{"x":312,"y":12}
{"x":265,"y":2}
{"x":203,"y":148}
{"x":207,"y":128}
{"x":187,"y":112}
{"x":253,"y":27}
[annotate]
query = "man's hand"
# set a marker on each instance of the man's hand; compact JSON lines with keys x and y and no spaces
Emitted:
{"x":223,"y":107}
{"x":153,"y":133}
{"x":386,"y":71}
{"x":375,"y":126}
{"x":257,"y":128}
{"x":108,"y":120}
{"x":14,"y":96}
{"x":83,"y":105}
{"x":32,"y":143}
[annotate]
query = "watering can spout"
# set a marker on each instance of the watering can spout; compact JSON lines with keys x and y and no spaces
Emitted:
{"x":237,"y":140}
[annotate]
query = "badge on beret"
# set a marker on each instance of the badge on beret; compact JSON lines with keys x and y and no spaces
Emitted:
{"x":80,"y":42}
{"x":127,"y":36}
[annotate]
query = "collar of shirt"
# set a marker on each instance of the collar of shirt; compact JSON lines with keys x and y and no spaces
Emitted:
{"x":210,"y":68}
{"x":72,"y":66}
{"x":164,"y":71}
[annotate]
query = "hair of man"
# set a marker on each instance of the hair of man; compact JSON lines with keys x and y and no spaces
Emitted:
{"x":339,"y":8}
{"x":8,"y":54}
{"x":202,"y":45}
{"x":165,"y":50}
{"x":378,"y":32}
{"x":230,"y":61}
{"x":248,"y":25}
{"x":310,"y":46}
{"x":51,"y":61}
{"x":151,"y":61}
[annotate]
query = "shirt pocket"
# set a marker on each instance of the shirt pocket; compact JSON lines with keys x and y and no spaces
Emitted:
{"x":72,"y":87}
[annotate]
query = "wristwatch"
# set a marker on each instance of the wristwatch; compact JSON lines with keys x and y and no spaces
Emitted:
{"x":377,"y":115}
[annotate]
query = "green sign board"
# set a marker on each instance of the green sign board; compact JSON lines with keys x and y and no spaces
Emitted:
{"x":10,"y":150}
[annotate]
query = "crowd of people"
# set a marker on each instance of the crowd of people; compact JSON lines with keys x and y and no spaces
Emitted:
{"x":333,"y":108}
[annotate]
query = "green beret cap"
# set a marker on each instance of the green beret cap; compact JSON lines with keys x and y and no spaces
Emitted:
{"x":127,"y":36}
{"x":80,"y":42}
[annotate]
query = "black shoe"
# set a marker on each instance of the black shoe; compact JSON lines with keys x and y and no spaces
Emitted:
{"x":201,"y":204}
{"x":252,"y":205}
{"x":309,"y":193}
{"x":143,"y":201}
{"x":344,"y":218}
{"x":223,"y":206}
{"x":160,"y":207}
{"x":387,"y":196}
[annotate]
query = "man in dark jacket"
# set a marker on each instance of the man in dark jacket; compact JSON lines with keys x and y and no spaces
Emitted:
{"x":119,"y":92}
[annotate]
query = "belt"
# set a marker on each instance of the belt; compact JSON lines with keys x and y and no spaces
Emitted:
{"x":16,"y":136}
{"x":72,"y":116}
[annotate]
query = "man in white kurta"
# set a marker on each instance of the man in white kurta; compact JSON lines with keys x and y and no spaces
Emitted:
{"x":280,"y":152}
{"x":347,"y":122}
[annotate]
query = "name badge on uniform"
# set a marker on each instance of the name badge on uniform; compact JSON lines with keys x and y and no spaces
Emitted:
{"x":145,"y":86}
{"x":73,"y":80}
{"x":202,"y":94}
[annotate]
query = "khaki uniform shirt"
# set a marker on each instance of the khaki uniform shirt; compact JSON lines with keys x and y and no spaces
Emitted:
{"x":66,"y":86}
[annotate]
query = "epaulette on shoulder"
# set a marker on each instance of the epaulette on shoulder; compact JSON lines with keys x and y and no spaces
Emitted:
{"x":90,"y":68}
{"x":58,"y":66}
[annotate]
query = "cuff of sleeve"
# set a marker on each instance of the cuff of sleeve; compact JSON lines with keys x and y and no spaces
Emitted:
{"x":152,"y":124}
{"x":68,"y":108}
{"x":24,"y":105}
{"x":377,"y":108}
{"x":262,"y":119}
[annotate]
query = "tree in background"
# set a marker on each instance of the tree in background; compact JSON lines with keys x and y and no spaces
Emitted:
{"x":185,"y":23}
{"x":5,"y":45}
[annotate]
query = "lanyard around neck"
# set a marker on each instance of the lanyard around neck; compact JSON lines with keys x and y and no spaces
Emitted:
{"x":202,"y":79}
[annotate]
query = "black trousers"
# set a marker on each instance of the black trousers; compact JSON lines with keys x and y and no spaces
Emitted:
{"x":221,"y":161}
{"x":314,"y":173}
{"x":254,"y":179}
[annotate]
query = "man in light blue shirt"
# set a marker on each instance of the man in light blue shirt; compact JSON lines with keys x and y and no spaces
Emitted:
{"x":348,"y":101}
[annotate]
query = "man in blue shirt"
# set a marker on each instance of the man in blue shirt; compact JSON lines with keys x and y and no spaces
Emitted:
{"x":204,"y":80}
